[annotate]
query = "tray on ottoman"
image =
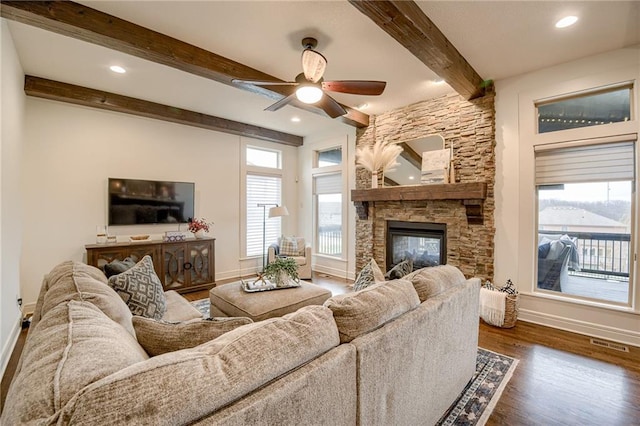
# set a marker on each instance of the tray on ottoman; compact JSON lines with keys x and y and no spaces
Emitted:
{"x":251,"y":286}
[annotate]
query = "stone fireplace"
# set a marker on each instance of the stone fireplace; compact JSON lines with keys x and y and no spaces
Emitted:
{"x":464,"y":209}
{"x":425,"y":243}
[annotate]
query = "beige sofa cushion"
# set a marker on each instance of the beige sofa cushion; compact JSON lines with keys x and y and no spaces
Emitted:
{"x":362,"y":311}
{"x":179,"y":308}
{"x":159,"y":337}
{"x":73,"y":345}
{"x":181,"y":387}
{"x":433,"y":280}
{"x":74,"y":280}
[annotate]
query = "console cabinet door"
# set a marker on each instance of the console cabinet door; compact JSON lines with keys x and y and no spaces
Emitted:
{"x":102,"y":255}
{"x":200,"y":270}
{"x":173,"y":256}
{"x":153,"y":251}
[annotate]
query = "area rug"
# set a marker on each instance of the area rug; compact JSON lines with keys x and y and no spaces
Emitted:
{"x":478,"y":399}
{"x":203,"y":306}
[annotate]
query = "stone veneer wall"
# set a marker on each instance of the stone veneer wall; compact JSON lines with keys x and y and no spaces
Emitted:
{"x":470,"y":126}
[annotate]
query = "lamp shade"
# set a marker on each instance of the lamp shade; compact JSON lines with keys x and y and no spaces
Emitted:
{"x":278,"y":211}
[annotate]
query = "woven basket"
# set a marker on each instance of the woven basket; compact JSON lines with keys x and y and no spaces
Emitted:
{"x":510,"y":311}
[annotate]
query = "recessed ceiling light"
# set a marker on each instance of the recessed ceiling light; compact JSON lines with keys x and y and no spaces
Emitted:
{"x":363,"y":106}
{"x":567,"y":21}
{"x":438,"y":81}
{"x":295,"y":119}
{"x":118,"y":69}
{"x":411,"y":177}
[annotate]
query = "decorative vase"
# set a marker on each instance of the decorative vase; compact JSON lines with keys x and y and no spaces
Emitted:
{"x":374,"y":179}
{"x":199,"y":234}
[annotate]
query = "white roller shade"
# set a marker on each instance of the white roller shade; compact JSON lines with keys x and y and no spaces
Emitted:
{"x":262,"y":190}
{"x":593,"y":163}
{"x":328,"y":184}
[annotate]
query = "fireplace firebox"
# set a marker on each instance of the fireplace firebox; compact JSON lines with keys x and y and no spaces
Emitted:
{"x":425,"y":243}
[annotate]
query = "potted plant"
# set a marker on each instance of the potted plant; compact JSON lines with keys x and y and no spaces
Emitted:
{"x":282,"y":271}
{"x":378,"y":156}
{"x":199,"y":227}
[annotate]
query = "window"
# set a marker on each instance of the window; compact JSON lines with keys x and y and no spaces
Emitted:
{"x":592,"y":109}
{"x":329,"y":157}
{"x":263,"y":190}
{"x":262,"y":157}
{"x":585,"y":214}
{"x":328,"y":201}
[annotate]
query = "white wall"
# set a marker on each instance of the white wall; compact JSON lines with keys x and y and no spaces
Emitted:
{"x":11,"y":122}
{"x":345,"y":266}
{"x":515,"y":194}
{"x":70,"y":151}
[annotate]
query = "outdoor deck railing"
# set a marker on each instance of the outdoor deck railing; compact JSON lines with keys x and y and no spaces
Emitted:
{"x":330,"y":239}
{"x":602,"y":253}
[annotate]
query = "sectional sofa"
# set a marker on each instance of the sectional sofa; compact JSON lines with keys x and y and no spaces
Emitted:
{"x":396,"y":353}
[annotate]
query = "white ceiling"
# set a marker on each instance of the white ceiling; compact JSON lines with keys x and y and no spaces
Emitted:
{"x":499,"y":40}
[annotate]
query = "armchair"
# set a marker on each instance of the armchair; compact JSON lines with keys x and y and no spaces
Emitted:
{"x":555,"y":260}
{"x":302,"y":258}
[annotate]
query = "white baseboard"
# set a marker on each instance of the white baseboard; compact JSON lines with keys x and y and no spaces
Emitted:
{"x":235,"y":274}
{"x":7,"y":349}
{"x":580,"y":327}
{"x":332,"y":271}
{"x":29,"y":308}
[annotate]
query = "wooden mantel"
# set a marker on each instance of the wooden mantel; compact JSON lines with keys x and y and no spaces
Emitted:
{"x":472,"y":195}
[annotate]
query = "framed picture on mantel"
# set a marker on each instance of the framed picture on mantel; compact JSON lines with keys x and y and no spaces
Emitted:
{"x":435,"y":166}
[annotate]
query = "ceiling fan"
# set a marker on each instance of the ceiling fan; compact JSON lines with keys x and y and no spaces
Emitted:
{"x":311,"y":87}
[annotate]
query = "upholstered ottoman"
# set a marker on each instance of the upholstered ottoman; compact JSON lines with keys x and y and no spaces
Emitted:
{"x":229,"y":300}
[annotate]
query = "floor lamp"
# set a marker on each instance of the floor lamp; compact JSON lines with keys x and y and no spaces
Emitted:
{"x":275,"y":211}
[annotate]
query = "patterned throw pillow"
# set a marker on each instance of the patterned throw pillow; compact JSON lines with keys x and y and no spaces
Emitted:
{"x":400,"y":270}
{"x":289,"y":246}
{"x":369,"y":275}
{"x":159,"y":337}
{"x":141,"y":290}
{"x":302,"y":245}
{"x":508,"y":288}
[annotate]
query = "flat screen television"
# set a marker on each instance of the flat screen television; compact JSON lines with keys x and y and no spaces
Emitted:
{"x":135,"y":201}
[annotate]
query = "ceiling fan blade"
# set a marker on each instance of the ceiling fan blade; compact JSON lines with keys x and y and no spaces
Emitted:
{"x":282,"y":102}
{"x":313,"y":65}
{"x":355,"y":87}
{"x":330,"y":106}
{"x":264,"y":83}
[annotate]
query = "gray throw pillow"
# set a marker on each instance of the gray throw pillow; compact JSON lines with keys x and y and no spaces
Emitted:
{"x":116,"y":266}
{"x":141,"y":290}
{"x":400,"y":270}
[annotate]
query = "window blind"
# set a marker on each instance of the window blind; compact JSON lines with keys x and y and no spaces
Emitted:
{"x":328,"y":184}
{"x":262,"y":189}
{"x":593,"y":163}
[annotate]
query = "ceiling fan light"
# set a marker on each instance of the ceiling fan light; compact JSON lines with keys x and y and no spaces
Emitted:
{"x":309,"y":94}
{"x":567,"y":21}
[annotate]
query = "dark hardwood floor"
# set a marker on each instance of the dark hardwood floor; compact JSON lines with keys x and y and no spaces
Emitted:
{"x":561,"y":378}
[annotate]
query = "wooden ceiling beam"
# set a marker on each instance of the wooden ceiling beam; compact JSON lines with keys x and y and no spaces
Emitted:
{"x":64,"y":92}
{"x":406,"y":22}
{"x":84,"y":23}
